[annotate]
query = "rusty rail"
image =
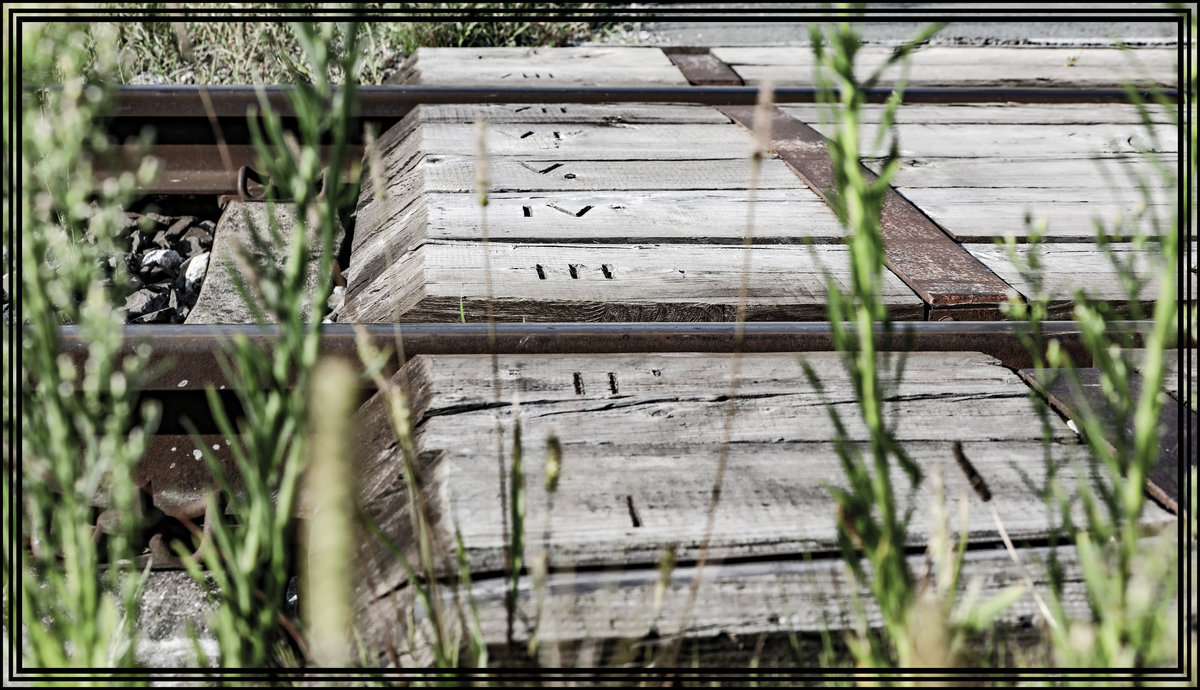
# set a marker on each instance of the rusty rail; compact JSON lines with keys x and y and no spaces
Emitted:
{"x":396,"y":101}
{"x":192,"y":351}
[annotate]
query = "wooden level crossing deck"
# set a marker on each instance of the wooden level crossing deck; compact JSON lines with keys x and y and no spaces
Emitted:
{"x":630,"y":212}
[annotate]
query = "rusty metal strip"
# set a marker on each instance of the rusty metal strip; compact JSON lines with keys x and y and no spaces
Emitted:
{"x":201,"y":168}
{"x":943,"y":274}
{"x":172,"y":101}
{"x":1162,"y":483}
{"x":704,"y":68}
{"x":186,"y":357}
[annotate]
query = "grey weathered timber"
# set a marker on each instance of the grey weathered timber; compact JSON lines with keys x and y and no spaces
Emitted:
{"x":593,"y":65}
{"x":641,"y":436}
{"x":234,"y":250}
{"x":617,"y":114}
{"x":970,"y":65}
{"x":1068,"y":267}
{"x":614,"y":222}
{"x":446,"y":281}
{"x":1034,"y":139}
{"x":583,"y":610}
{"x":1003,"y":171}
{"x":650,"y":449}
{"x":994,"y":113}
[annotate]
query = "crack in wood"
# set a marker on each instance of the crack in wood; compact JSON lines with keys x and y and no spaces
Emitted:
{"x":633,"y":516}
{"x":578,"y":379}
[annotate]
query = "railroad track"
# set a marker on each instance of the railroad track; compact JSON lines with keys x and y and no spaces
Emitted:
{"x":950,"y":303}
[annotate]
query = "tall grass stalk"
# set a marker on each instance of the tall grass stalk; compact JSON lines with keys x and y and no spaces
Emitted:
{"x":870,"y":521}
{"x":1129,"y":578}
{"x":79,"y":439}
{"x":251,"y":561}
{"x":331,"y":534}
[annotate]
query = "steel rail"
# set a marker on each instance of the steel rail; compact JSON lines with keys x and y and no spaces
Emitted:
{"x":189,"y":354}
{"x":396,"y":101}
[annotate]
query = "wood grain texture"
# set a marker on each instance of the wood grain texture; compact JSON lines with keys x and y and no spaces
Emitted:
{"x":564,"y":282}
{"x":1032,"y":139}
{"x":994,"y":113}
{"x":1069,"y":214}
{"x":651,"y":449}
{"x":970,"y":65}
{"x":582,"y":66}
{"x":739,"y":600}
{"x":640,"y":437}
{"x":1068,"y":267}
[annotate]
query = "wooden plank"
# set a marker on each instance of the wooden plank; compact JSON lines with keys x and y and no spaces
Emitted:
{"x":1005,"y":171}
{"x":599,"y":141}
{"x":438,"y":281}
{"x":653,"y":445}
{"x":580,"y":113}
{"x":740,"y":600}
{"x":996,"y":113}
{"x":918,"y":251}
{"x":1176,"y":445}
{"x":1068,"y":267}
{"x":982,"y":215}
{"x":971,"y":65}
{"x":781,"y":216}
{"x":457,"y":174}
{"x":1033,"y":139}
{"x":581,"y":66}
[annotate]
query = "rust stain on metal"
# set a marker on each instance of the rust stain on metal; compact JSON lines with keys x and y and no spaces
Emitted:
{"x":917,"y":250}
{"x":704,"y":69}
{"x":1162,"y":483}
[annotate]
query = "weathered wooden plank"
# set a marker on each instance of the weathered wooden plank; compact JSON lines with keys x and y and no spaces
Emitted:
{"x":740,"y":600}
{"x":1002,"y":171}
{"x":995,"y":113}
{"x":1176,"y":445}
{"x":457,"y":174}
{"x":638,"y":463}
{"x":598,"y":141}
{"x":781,"y":216}
{"x":581,"y":113}
{"x":977,"y":214}
{"x":1068,"y":267}
{"x":1033,"y":139}
{"x":581,"y":66}
{"x":971,"y":65}
{"x":440,"y":281}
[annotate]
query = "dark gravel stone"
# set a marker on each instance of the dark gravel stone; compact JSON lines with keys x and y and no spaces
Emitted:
{"x":197,"y":231}
{"x":158,"y":221}
{"x":190,"y":246}
{"x":179,"y":227}
{"x":144,"y":301}
{"x":164,"y":315}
